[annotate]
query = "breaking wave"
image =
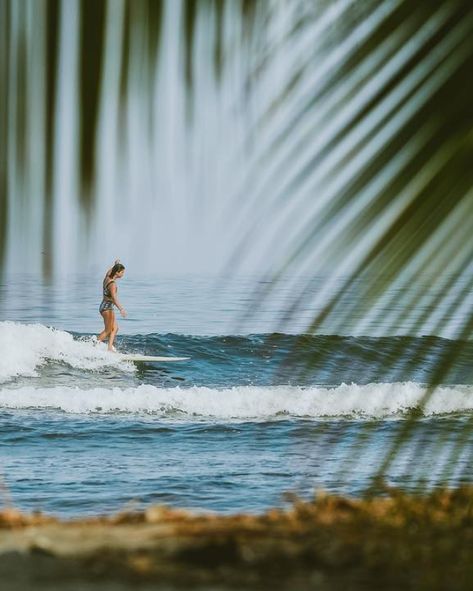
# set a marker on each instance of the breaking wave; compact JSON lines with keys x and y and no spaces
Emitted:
{"x":26,"y":347}
{"x":372,"y":401}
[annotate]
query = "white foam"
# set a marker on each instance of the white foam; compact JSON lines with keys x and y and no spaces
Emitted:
{"x":246,"y":403}
{"x":25,"y":347}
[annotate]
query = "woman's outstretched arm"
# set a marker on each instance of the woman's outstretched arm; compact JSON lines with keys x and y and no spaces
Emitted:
{"x":113,"y":295}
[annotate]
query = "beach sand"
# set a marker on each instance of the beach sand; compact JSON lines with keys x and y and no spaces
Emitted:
{"x":391,"y":541}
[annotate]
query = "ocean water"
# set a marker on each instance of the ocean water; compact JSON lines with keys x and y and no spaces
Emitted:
{"x":260,"y":409}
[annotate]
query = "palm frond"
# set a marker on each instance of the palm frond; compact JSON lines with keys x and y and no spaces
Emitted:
{"x":4,"y":70}
{"x":368,"y":164}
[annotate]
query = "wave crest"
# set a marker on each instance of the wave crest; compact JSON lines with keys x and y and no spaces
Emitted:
{"x":372,"y":401}
{"x":26,"y":347}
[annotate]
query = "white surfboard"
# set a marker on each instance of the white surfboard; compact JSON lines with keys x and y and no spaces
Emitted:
{"x":146,"y":358}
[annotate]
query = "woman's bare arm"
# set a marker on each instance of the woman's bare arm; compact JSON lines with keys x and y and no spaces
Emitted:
{"x":107,"y":274}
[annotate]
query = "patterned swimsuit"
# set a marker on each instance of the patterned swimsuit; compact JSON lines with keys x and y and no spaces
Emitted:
{"x":107,"y":303}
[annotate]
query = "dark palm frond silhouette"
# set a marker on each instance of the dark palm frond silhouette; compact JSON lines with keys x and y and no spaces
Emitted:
{"x":379,"y":171}
{"x":402,"y":190}
{"x":4,"y":65}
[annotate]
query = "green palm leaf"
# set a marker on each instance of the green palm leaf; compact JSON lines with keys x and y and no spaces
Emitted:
{"x":370,"y":165}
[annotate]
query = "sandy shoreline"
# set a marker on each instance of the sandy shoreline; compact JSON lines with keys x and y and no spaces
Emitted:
{"x":399,"y":540}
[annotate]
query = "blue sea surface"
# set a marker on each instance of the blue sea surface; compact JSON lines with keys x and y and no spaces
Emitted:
{"x":260,"y":409}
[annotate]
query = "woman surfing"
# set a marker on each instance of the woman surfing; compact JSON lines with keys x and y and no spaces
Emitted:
{"x":109,"y":300}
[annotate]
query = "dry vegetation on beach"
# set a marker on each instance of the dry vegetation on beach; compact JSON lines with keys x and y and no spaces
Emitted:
{"x":391,"y":542}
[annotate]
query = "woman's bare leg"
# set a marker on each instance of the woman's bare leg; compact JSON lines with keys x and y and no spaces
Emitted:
{"x":109,"y":320}
{"x":113,"y":334}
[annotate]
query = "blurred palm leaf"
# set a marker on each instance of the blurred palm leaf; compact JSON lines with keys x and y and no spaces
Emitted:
{"x":368,"y":163}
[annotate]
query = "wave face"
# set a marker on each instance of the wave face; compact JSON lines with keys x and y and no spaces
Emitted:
{"x":255,"y":377}
{"x":35,"y":351}
{"x":372,"y":401}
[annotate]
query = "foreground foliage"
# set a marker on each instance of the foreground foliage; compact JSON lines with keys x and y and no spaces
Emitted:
{"x":396,"y":540}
